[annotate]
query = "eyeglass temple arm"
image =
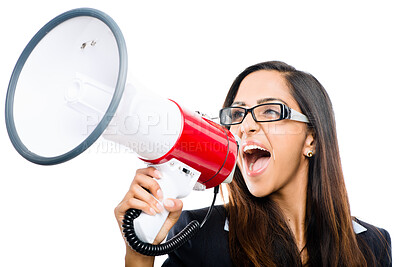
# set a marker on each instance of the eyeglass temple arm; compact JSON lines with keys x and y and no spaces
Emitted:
{"x":297,"y":116}
{"x":207,"y":116}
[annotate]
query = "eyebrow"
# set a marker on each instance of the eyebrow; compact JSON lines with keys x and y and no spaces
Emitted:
{"x":260,"y":101}
{"x":238,"y":103}
{"x":269,"y":99}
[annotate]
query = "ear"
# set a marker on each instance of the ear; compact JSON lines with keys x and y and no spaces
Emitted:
{"x":309,"y":143}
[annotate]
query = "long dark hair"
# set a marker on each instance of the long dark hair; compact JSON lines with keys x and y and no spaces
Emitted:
{"x":258,"y":232}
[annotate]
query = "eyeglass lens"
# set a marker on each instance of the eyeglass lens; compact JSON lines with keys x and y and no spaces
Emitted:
{"x":267,"y":112}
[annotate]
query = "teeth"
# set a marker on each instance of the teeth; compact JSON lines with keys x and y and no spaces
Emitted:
{"x":250,"y":147}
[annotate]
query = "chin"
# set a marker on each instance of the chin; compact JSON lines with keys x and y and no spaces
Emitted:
{"x":258,"y":190}
{"x":255,"y":185}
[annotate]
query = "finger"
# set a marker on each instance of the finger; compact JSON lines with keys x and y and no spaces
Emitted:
{"x":143,"y":195}
{"x":147,"y":182}
{"x":133,"y":203}
{"x":150,"y":171}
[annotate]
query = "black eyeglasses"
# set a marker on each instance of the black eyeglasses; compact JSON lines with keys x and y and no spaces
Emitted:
{"x":267,"y":112}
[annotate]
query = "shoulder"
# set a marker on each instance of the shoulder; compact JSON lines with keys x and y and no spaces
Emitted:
{"x":378,"y":241}
{"x":208,"y":247}
{"x":218,"y":214}
{"x":216,"y":219}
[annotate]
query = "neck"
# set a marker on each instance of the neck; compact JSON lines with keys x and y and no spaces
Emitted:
{"x":292,"y":200}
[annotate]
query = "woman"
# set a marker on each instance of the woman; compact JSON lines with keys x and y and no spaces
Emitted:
{"x":288,"y":204}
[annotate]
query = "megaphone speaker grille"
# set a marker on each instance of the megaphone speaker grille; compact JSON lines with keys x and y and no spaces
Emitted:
{"x":77,"y":61}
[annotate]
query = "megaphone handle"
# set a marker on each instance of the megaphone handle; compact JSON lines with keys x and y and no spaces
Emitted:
{"x":148,"y":226}
{"x":177,"y":181}
{"x":174,"y":243}
{"x":141,"y":229}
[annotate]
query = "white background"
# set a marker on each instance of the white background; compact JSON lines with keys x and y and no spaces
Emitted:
{"x":191,"y":52}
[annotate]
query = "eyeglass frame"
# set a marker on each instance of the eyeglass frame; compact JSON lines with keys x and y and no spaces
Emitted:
{"x":287,"y":114}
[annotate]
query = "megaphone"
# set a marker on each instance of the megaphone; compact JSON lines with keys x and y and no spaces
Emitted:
{"x":69,"y":87}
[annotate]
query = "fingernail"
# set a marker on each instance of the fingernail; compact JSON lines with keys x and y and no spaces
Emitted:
{"x":159,"y":194}
{"x":168,"y":203}
{"x":159,"y":207}
{"x":152,"y":211}
{"x":157,"y":173}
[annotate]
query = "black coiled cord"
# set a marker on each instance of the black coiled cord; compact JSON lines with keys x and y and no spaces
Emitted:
{"x":175,"y":242}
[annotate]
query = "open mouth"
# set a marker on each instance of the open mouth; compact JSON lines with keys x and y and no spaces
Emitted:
{"x":256,"y":159}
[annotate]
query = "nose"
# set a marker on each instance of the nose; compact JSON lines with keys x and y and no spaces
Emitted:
{"x":248,"y":125}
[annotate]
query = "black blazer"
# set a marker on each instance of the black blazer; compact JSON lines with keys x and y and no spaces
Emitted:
{"x":209,"y":247}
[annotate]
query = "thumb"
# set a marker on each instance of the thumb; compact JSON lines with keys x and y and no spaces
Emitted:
{"x":174,"y":206}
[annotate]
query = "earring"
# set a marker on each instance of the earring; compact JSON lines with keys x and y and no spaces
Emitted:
{"x":310,"y":154}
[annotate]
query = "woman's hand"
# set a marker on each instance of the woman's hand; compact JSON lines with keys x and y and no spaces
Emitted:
{"x":139,"y":198}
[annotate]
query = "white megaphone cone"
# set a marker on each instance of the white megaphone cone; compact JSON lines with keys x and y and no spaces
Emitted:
{"x":69,"y":87}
